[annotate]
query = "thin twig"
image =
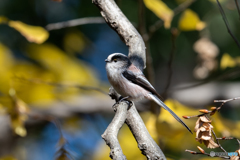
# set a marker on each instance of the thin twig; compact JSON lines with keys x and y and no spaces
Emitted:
{"x":74,"y":22}
{"x":236,"y":2}
{"x":238,"y":143}
{"x":158,"y":24}
{"x":218,"y":142}
{"x":194,"y":152}
{"x":174,"y":33}
{"x":227,"y":100}
{"x":227,"y":24}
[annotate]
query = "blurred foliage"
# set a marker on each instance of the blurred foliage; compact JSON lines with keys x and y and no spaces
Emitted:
{"x":190,"y":21}
{"x":35,"y":62}
{"x":161,"y":10}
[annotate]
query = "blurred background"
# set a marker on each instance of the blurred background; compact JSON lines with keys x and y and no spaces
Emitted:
{"x":53,"y":84}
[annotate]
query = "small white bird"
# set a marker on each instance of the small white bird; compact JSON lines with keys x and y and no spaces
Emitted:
{"x":129,"y":81}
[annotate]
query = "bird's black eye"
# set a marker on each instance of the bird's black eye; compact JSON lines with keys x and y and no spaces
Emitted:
{"x":114,"y":60}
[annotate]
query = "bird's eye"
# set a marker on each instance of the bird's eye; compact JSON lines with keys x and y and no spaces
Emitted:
{"x":115,"y":60}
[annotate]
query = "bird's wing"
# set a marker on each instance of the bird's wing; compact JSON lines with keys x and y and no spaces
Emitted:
{"x":136,"y":76}
{"x":137,"y":61}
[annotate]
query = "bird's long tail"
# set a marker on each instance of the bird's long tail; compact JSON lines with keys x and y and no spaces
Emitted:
{"x":160,"y":103}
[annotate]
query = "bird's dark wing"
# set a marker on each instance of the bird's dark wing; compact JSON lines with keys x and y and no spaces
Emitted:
{"x":140,"y":80}
{"x":137,"y":61}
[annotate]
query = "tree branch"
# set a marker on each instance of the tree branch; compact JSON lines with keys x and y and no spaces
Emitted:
{"x":74,"y":22}
{"x":127,"y":32}
{"x":110,"y":134}
{"x":145,"y":142}
{"x":118,"y":22}
{"x":227,"y":24}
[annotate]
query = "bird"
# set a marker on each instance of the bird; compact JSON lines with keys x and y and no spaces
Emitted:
{"x":126,"y":77}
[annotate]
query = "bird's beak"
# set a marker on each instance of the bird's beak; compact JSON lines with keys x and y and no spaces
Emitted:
{"x":106,"y":60}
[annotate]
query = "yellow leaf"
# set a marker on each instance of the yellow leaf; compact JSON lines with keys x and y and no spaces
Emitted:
{"x":151,"y":125}
{"x":127,"y":143}
{"x":6,"y":62}
{"x":37,"y":93}
{"x":160,"y":9}
{"x":228,"y":61}
{"x":3,"y":19}
{"x":18,"y":124}
{"x":74,"y":42}
{"x":190,"y":21}
{"x":8,"y":158}
{"x":68,"y":69}
{"x":171,"y":132}
{"x":34,"y":34}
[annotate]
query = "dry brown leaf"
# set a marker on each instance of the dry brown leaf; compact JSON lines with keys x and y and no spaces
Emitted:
{"x":206,"y":135}
{"x":238,"y":151}
{"x":234,"y":158}
{"x":210,"y":144}
{"x":205,"y":119}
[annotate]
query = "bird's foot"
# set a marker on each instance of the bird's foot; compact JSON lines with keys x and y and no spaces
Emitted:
{"x":130,"y":103}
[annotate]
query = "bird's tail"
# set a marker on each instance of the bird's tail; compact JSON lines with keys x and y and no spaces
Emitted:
{"x":160,"y":103}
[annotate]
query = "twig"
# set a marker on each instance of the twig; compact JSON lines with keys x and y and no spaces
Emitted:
{"x":174,"y":33}
{"x":194,"y":152}
{"x":223,"y":102}
{"x":74,"y":22}
{"x":218,"y":142}
{"x":158,"y":24}
{"x":110,"y":134}
{"x":236,"y":2}
{"x":227,"y":24}
{"x":227,"y":100}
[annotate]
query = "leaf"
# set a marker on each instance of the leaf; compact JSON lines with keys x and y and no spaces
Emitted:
{"x":8,"y":157}
{"x":151,"y":125}
{"x":3,"y":19}
{"x":34,"y":34}
{"x":74,"y":42}
{"x":6,"y":62}
{"x":190,"y":21}
{"x":160,"y":9}
{"x":228,"y":61}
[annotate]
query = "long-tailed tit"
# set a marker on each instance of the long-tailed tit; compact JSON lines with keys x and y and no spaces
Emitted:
{"x":129,"y":81}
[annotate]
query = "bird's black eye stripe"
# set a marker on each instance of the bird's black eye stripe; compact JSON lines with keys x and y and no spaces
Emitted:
{"x":119,"y":58}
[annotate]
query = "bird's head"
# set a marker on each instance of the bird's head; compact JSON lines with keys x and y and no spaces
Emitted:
{"x":117,"y":61}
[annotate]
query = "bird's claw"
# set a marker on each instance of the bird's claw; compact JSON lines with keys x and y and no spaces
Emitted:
{"x":130,"y":103}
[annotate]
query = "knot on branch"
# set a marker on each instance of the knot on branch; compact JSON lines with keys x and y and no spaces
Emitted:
{"x":117,"y":151}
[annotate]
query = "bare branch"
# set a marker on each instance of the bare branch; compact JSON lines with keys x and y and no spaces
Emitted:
{"x":74,"y":22}
{"x":220,"y":146}
{"x":236,"y":2}
{"x":227,"y":100}
{"x":145,"y":142}
{"x":227,"y":24}
{"x":174,"y":32}
{"x":118,"y":22}
{"x":194,"y":152}
{"x":110,"y":134}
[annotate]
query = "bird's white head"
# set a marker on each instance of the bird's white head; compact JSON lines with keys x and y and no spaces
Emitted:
{"x":117,"y":61}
